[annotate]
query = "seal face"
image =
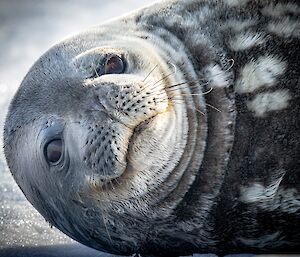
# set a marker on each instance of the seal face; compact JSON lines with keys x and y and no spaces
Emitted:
{"x":179,"y":136}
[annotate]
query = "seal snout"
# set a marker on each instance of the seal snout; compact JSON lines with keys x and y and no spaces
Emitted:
{"x":120,"y":106}
{"x":128,"y":101}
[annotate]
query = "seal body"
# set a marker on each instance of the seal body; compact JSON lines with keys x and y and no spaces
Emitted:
{"x":170,"y":131}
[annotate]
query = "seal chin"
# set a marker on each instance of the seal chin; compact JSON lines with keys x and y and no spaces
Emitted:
{"x":124,"y":161}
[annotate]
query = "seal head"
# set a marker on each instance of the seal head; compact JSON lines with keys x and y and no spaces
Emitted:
{"x":106,"y":138}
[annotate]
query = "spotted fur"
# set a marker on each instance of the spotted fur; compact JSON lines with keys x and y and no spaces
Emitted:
{"x":212,"y":145}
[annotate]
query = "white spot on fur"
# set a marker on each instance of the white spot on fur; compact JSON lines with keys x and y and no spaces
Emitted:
{"x":258,"y":193}
{"x":262,"y":72}
{"x":239,"y":25}
{"x":278,"y":10}
{"x":272,"y":197}
{"x":263,"y":241}
{"x":217,"y":77}
{"x":267,"y":102}
{"x":245,"y":40}
{"x":188,"y":20}
{"x":285,"y":28}
{"x":236,"y":2}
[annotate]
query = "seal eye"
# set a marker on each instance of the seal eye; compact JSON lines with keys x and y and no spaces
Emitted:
{"x":53,"y":151}
{"x":114,"y":65}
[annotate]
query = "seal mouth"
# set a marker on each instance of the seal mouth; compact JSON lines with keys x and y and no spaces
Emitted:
{"x":111,"y":183}
{"x":128,"y":171}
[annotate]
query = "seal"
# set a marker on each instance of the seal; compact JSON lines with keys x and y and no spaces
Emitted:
{"x":169,"y":131}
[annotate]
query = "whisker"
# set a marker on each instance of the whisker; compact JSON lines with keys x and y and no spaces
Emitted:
{"x":173,"y":72}
{"x":149,"y":85}
{"x":213,"y":107}
{"x":207,"y":92}
{"x":96,"y":73}
{"x":231,"y":65}
{"x":162,"y":90}
{"x":183,"y":94}
{"x":117,"y":181}
{"x":194,"y":94}
{"x":187,"y":82}
{"x":182,"y":99}
{"x":200,"y":111}
{"x":175,"y":69}
{"x":150,"y":72}
{"x":168,"y":75}
{"x":163,"y":100}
